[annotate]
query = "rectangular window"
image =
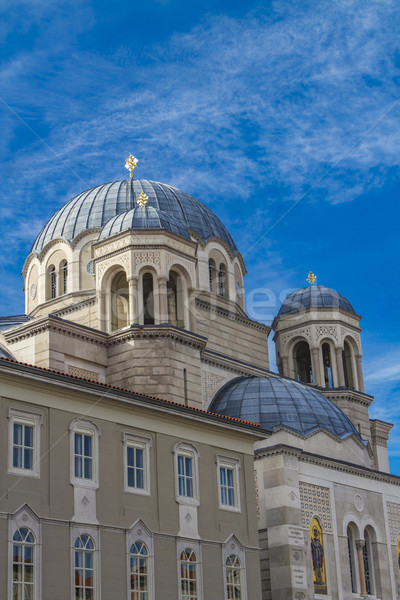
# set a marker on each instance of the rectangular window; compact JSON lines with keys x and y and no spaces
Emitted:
{"x":228,"y":483}
{"x":23,"y":446}
{"x":185,"y":475}
{"x":135,"y":466}
{"x":137,"y":463}
{"x":83,"y":455}
{"x":24,"y":443}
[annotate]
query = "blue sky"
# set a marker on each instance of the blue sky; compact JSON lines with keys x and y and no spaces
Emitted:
{"x":253,"y":107}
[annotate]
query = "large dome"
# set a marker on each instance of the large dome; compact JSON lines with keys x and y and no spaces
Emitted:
{"x":314,"y":296}
{"x":276,"y":402}
{"x":94,"y":208}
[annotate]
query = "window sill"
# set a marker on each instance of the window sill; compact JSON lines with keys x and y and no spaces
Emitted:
{"x":24,"y":472}
{"x":235,"y":509}
{"x":84,"y":483}
{"x":188,"y":501}
{"x":138,"y":491}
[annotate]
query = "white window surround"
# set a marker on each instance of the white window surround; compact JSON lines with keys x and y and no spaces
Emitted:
{"x":139,"y":532}
{"x":22,"y":417}
{"x":233,"y":546}
{"x":25,"y":517}
{"x":185,"y":449}
{"x":234,"y":464}
{"x":196,"y":547}
{"x":84,"y":427}
{"x":131,"y":440}
{"x":94,"y":533}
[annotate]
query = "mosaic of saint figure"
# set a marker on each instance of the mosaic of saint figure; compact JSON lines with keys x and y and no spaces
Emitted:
{"x":318,"y":557}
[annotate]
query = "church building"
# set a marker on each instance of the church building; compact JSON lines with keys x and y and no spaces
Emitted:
{"x":149,"y":452}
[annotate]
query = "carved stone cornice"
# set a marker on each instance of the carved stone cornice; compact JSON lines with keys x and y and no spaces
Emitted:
{"x":61,"y":312}
{"x":227,"y":314}
{"x":141,"y":332}
{"x":340,"y":394}
{"x":54,"y":324}
{"x":329,"y":463}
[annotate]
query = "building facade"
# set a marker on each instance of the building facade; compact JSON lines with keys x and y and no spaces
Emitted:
{"x":148,"y":450}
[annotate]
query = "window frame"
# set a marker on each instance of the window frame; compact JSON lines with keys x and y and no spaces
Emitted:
{"x":232,"y":546}
{"x":21,"y":417}
{"x":139,"y":532}
{"x":81,"y":426}
{"x":94,"y":534}
{"x":195,"y":546}
{"x":25,"y":518}
{"x":144,"y":443}
{"x":185,"y":449}
{"x":234,"y":464}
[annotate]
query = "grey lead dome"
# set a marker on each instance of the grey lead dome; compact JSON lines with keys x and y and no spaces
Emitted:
{"x":314,"y":296}
{"x":275,"y":402}
{"x":95,"y":207}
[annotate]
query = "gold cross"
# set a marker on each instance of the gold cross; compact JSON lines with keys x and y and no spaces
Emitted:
{"x":142,"y":200}
{"x":311,"y":278}
{"x":131,"y":164}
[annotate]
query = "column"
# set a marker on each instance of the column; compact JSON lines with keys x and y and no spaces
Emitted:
{"x":360,"y":545}
{"x":163,"y":299}
{"x":360,"y":376}
{"x":101,"y":309}
{"x":339,"y":364}
{"x":285,"y":366}
{"x":315,"y":365}
{"x":108,"y":311}
{"x":133,"y":300}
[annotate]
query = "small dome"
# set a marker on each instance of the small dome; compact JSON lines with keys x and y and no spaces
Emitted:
{"x":95,"y":207}
{"x":314,"y":296}
{"x":276,"y":402}
{"x":145,"y":217}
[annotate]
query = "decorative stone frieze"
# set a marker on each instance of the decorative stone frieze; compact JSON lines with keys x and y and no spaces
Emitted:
{"x":315,"y":502}
{"x":121,"y":259}
{"x":83,"y":373}
{"x":186,"y":264}
{"x":306,"y":333}
{"x":147,"y":258}
{"x":394,"y":521}
{"x":210,"y":382}
{"x":327,"y":330}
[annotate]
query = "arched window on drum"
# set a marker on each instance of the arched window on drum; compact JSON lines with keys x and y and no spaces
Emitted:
{"x":119,"y":301}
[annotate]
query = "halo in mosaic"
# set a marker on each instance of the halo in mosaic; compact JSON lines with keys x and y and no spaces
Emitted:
{"x":316,"y":296}
{"x":95,"y":207}
{"x":276,"y":402}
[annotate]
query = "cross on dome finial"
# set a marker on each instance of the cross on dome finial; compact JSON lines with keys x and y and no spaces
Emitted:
{"x":131,"y":164}
{"x":311,"y":278}
{"x":142,"y":200}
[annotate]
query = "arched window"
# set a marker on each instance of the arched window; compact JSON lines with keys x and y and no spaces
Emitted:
{"x":52,"y":282}
{"x":222,"y":287}
{"x":350,"y":549}
{"x":84,"y":568}
{"x":233,"y":578}
{"x":23,"y":564}
{"x":63,"y":276}
{"x":148,"y":299}
{"x":367,"y":558}
{"x":318,"y":557}
{"x":327,"y":362}
{"x":175,"y":300}
{"x":302,"y":363}
{"x":212,"y":272}
{"x":189,"y":583}
{"x":139,"y":571}
{"x":119,"y":301}
{"x":348,"y":365}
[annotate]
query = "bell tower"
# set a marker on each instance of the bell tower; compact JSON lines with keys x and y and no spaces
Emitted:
{"x":318,"y":341}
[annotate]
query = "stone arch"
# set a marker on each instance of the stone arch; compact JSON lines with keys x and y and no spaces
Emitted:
{"x":119,"y":301}
{"x":327,"y":353}
{"x":349,"y":354}
{"x":148,"y":295}
{"x":300,"y":360}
